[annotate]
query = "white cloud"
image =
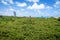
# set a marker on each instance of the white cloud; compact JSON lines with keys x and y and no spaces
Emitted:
{"x":33,"y":0}
{"x":22,"y":9}
{"x":4,"y":2}
{"x":57,"y":4}
{"x":7,"y":2}
{"x":49,"y":7}
{"x":21,"y":4}
{"x":11,"y":9}
{"x":36,"y":6}
{"x":10,"y":1}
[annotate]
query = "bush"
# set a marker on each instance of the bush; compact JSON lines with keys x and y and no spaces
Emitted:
{"x":14,"y":28}
{"x":59,"y":19}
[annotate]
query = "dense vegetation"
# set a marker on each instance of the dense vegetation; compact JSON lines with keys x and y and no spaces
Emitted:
{"x":22,"y":28}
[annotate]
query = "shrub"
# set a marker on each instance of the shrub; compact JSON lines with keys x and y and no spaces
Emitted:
{"x":59,"y":19}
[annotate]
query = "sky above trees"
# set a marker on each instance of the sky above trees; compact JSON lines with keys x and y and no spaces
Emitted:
{"x":34,"y":8}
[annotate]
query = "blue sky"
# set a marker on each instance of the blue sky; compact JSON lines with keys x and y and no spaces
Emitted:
{"x":34,"y":8}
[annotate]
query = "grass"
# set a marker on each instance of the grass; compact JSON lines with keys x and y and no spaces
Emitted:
{"x":23,"y":28}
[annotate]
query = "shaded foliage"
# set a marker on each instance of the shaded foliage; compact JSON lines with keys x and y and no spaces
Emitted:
{"x":23,"y":28}
{"x":59,"y":19}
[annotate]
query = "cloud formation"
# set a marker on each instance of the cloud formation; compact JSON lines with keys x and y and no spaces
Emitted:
{"x":40,"y":6}
{"x":11,"y":9}
{"x":28,"y":7}
{"x":21,"y":4}
{"x":36,"y":6}
{"x":5,"y":2}
{"x":57,"y":4}
{"x":33,"y":0}
{"x":48,"y":7}
{"x":10,"y":1}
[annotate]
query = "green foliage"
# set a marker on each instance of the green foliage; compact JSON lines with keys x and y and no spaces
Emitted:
{"x":59,"y":19}
{"x":23,"y":28}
